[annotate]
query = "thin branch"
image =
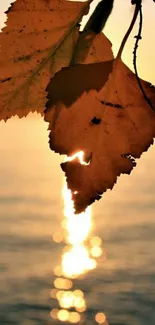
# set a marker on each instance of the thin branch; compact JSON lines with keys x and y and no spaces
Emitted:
{"x":137,"y":8}
{"x":99,"y":16}
{"x":138,"y":38}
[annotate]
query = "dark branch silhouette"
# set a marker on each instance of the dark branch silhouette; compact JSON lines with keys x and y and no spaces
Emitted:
{"x":138,"y":38}
{"x":99,"y":17}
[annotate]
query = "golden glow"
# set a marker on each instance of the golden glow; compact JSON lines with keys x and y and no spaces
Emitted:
{"x":78,"y":226}
{"x":78,"y":257}
{"x":81,"y":309}
{"x":58,"y":236}
{"x":69,"y":299}
{"x":64,"y":224}
{"x":78,"y":293}
{"x":53,"y":293}
{"x":66,"y":300}
{"x":58,"y":270}
{"x":96,"y":251}
{"x":74,"y":317}
{"x":54,"y":313}
{"x":79,"y":303}
{"x":77,"y":261}
{"x":61,"y":283}
{"x":96,"y":241}
{"x":80,"y":156}
{"x":100,"y":318}
{"x":60,"y":294}
{"x":63,"y":315}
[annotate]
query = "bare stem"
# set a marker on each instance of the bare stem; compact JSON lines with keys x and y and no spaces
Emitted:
{"x":137,"y":8}
{"x":139,"y":37}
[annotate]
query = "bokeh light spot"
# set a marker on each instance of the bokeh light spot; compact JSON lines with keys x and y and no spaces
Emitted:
{"x":61,"y":283}
{"x":74,"y":317}
{"x":96,"y":251}
{"x":100,"y":318}
{"x":63,"y":315}
{"x":54,"y":313}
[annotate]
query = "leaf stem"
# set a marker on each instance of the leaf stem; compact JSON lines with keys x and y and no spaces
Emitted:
{"x":99,"y":17}
{"x":139,"y":37}
{"x":137,"y":9}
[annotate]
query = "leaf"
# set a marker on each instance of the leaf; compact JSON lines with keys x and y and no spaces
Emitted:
{"x":94,"y":51}
{"x":112,"y":124}
{"x":91,"y":47}
{"x":38,"y":41}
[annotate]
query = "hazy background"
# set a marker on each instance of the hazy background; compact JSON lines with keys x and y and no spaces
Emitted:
{"x":31,"y":211}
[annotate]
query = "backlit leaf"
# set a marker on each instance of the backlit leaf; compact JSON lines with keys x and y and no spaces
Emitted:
{"x":38,"y":41}
{"x":111,"y":122}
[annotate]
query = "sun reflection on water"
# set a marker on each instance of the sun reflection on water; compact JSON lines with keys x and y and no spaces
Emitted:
{"x":79,"y":256}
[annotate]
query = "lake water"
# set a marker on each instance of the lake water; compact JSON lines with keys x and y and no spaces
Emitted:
{"x":99,"y":266}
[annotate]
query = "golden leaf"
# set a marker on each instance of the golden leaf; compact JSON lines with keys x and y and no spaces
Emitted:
{"x":38,"y":41}
{"x":107,"y":118}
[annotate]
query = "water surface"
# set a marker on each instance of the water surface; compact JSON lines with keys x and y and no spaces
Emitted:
{"x":32,"y":241}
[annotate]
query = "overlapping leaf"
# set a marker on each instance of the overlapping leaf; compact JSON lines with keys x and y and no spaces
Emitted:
{"x":94,"y":51}
{"x":38,"y":41}
{"x":111,"y":122}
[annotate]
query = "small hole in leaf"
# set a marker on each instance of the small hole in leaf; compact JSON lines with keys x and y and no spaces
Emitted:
{"x":96,"y":120}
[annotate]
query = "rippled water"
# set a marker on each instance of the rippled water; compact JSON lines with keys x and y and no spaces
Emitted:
{"x":121,"y":283}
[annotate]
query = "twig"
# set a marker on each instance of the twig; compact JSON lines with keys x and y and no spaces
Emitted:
{"x":137,"y":8}
{"x":138,"y":38}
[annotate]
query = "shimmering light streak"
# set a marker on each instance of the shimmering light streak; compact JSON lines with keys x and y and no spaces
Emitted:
{"x":78,"y":257}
